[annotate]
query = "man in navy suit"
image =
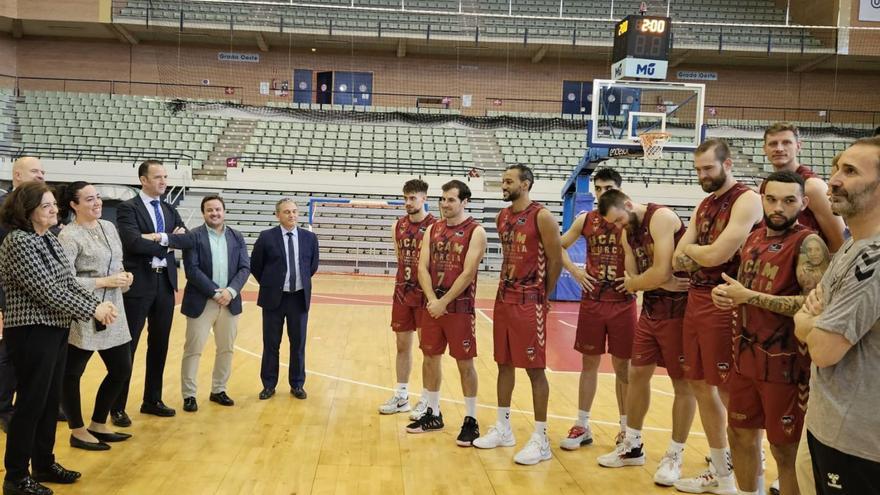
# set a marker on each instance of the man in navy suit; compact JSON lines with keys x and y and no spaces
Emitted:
{"x":283,"y":261}
{"x":217,"y":267}
{"x":151,"y":296}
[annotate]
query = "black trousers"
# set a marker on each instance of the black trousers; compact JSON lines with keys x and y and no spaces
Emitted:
{"x":7,"y":380}
{"x":292,"y":309}
{"x":118,"y":362}
{"x":157,"y":311}
{"x":838,"y":473}
{"x":38,"y":354}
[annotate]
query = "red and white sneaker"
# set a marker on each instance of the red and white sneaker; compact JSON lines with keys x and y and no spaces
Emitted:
{"x":577,"y":436}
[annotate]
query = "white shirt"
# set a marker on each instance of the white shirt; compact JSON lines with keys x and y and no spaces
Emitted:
{"x":299,"y":286}
{"x":157,"y":262}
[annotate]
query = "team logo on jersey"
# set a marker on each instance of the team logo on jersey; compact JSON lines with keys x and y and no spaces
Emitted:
{"x":530,"y":353}
{"x":723,"y":370}
{"x":788,"y":424}
{"x":681,"y":359}
{"x":459,"y":233}
{"x":423,"y":229}
{"x":521,"y":220}
{"x":466,"y":345}
{"x":775,"y":248}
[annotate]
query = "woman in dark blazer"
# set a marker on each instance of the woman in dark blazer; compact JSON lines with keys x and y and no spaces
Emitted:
{"x":42,"y":299}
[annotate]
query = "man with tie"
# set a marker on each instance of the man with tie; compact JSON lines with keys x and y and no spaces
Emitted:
{"x":151,"y":296}
{"x":217,"y":268}
{"x":283,"y":261}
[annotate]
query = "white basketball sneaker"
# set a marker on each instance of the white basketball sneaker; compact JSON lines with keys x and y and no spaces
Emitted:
{"x":536,"y":450}
{"x":708,"y":482}
{"x":497,"y":436}
{"x":394,"y":405}
{"x":577,"y":436}
{"x":669,"y":469}
{"x":623,"y":454}
{"x":420,"y":409}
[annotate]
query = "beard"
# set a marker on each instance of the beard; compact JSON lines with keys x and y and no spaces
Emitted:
{"x":851,"y":203}
{"x":779,"y":226}
{"x":713,"y":184}
{"x":511,"y":196}
{"x":413,"y":211}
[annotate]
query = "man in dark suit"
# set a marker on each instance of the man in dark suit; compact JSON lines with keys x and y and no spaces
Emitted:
{"x":283,"y":261}
{"x":151,"y":296}
{"x":24,"y":169}
{"x":217,"y":267}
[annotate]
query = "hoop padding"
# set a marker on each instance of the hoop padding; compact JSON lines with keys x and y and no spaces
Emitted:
{"x":652,"y":144}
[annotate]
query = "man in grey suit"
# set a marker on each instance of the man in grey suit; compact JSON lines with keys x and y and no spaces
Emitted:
{"x":217,"y":267}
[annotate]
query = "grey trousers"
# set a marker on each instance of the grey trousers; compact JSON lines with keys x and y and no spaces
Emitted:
{"x":225,"y":326}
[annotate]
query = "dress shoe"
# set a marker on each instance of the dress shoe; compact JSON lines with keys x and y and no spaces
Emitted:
{"x":120,"y":419}
{"x":157,"y":408}
{"x":82,"y":444}
{"x":266,"y":393}
{"x":110,"y":437}
{"x":222,"y":399}
{"x":190,"y":405}
{"x":25,"y":486}
{"x":57,"y":474}
{"x":299,"y":393}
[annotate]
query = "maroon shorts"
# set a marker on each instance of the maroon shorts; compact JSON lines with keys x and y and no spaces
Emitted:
{"x":405,"y":318}
{"x":598,"y":321}
{"x":659,"y":342}
{"x":707,"y":339}
{"x":775,"y":407}
{"x":456,"y":329}
{"x":520,"y":334}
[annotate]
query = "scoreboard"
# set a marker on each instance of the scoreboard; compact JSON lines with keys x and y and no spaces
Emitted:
{"x":641,"y":47}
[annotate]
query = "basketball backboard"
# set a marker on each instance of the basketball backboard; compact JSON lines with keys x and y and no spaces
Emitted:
{"x":624,"y":110}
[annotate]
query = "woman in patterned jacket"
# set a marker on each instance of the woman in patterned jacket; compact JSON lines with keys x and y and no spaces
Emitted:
{"x":42,"y":299}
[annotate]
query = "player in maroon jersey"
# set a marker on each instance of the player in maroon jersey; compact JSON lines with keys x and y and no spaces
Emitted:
{"x":650,"y":233}
{"x":607,"y":313}
{"x":710,"y":247}
{"x":408,"y":299}
{"x":532,"y":261}
{"x":781,"y":145}
{"x":780,"y":263}
{"x":448,"y":267}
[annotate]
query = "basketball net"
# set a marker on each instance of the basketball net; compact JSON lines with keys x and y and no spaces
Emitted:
{"x":652,"y":144}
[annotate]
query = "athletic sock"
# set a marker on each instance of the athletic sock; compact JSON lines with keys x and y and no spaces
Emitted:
{"x":434,"y":402}
{"x":633,"y":436}
{"x":470,"y":406}
{"x":402,"y":390}
{"x":541,"y":428}
{"x":583,"y":418}
{"x":504,"y":417}
{"x":719,"y":459}
{"x":623,"y":422}
{"x":425,"y":394}
{"x":675,"y":447}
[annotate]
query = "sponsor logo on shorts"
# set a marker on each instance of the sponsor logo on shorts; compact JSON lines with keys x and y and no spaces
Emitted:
{"x":466,"y":345}
{"x":530,"y":353}
{"x":738,"y":416}
{"x":723,"y":370}
{"x":834,"y":481}
{"x":788,"y":424}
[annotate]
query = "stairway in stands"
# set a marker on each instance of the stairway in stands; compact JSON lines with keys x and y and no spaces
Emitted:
{"x":487,"y":157}
{"x":230,"y":145}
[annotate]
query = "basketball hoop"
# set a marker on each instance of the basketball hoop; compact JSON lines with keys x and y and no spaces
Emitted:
{"x":652,"y":144}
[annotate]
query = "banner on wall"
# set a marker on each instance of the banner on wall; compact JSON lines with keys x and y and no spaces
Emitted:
{"x":869,"y":10}
{"x":238,"y":57}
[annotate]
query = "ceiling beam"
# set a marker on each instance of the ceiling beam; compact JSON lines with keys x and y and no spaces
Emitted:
{"x":539,"y":55}
{"x":401,"y":48}
{"x":681,"y":57}
{"x":812,"y":64}
{"x":17,"y":31}
{"x":122,"y":34}
{"x":261,"y":42}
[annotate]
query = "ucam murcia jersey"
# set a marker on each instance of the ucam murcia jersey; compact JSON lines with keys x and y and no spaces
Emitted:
{"x":408,"y":238}
{"x":524,"y":267}
{"x":448,"y":249}
{"x":605,"y":258}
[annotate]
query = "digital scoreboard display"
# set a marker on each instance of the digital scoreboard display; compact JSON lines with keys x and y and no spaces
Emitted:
{"x":644,"y":37}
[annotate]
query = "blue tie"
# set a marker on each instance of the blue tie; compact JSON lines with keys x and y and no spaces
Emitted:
{"x":160,"y":223}
{"x":291,"y":261}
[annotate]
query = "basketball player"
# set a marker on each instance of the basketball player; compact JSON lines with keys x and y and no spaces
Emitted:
{"x":408,"y":300}
{"x":781,"y":145}
{"x":780,"y":263}
{"x":532,"y":261}
{"x":710,"y":247}
{"x":650,"y":233}
{"x":448,"y":267}
{"x":607,"y":312}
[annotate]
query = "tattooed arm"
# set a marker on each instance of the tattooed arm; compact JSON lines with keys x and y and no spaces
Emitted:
{"x":812,"y":262}
{"x":680,"y":261}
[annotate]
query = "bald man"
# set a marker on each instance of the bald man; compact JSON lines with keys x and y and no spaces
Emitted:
{"x":25,"y":169}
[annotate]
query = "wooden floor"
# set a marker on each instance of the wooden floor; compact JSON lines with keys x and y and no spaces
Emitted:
{"x":335,"y":442}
